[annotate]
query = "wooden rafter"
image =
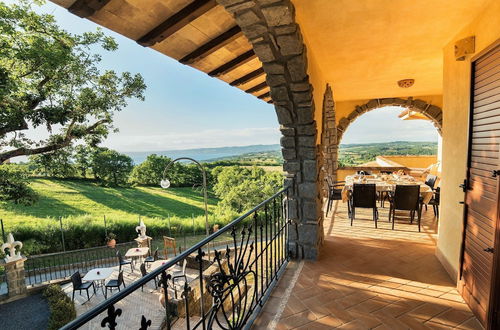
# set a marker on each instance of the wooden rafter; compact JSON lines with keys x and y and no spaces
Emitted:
{"x":257,"y":88}
{"x":263,"y":96}
{"x":233,"y":64}
{"x":86,"y":8}
{"x":176,"y":22}
{"x":248,"y":77}
{"x":212,"y":45}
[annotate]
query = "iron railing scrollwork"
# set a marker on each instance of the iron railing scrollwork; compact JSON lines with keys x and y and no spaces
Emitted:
{"x":229,"y":285}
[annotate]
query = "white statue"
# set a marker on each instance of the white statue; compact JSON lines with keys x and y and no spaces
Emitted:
{"x":141,"y":229}
{"x":11,"y":245}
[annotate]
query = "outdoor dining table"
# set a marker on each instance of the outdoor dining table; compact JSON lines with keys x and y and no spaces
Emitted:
{"x":137,"y":253}
{"x":98,"y":276}
{"x":386,"y":183}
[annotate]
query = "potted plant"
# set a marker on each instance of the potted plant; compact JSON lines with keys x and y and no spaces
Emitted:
{"x":111,"y":240}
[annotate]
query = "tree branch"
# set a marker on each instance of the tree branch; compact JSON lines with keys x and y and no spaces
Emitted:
{"x":51,"y":147}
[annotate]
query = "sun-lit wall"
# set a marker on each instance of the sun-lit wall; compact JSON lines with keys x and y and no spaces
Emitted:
{"x":456,"y":97}
{"x":420,"y":161}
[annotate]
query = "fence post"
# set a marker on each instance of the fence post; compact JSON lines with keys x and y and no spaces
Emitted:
{"x":62,"y":234}
{"x":105,"y":227}
{"x":3,"y":232}
{"x":169,"y":228}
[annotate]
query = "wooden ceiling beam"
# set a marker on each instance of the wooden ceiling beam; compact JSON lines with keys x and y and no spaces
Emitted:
{"x":86,"y":8}
{"x":176,"y":22}
{"x":263,"y":96}
{"x":246,"y":78}
{"x":257,"y":88}
{"x":212,"y":45}
{"x":233,"y":64}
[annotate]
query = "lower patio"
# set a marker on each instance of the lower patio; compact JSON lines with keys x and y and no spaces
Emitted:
{"x":369,"y":278}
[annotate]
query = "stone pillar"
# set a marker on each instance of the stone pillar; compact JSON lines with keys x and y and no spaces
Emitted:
{"x":16,"y":282}
{"x":270,"y":27}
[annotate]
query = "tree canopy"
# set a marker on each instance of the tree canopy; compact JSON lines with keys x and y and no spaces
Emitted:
{"x":50,"y":79}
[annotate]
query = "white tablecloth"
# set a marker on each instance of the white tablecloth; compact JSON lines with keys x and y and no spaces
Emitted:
{"x":389,"y":185}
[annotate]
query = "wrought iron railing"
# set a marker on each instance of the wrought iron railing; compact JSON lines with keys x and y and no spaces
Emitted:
{"x":228,"y":286}
{"x":60,"y":265}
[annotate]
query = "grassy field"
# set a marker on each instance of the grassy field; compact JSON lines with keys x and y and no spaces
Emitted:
{"x":83,"y":205}
{"x":73,"y":199}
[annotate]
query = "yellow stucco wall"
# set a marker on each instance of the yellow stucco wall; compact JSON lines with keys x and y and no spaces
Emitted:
{"x":456,"y":98}
{"x":414,"y":161}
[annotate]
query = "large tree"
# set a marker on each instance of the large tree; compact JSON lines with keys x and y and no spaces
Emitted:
{"x":50,"y":79}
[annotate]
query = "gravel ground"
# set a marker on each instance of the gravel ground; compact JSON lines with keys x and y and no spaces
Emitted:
{"x":27,"y":313}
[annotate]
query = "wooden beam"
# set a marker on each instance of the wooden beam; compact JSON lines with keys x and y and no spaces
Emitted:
{"x":233,"y":64}
{"x":86,"y":8}
{"x":263,"y":96}
{"x":257,"y":88}
{"x":213,"y":45}
{"x":176,"y":22}
{"x":247,"y":77}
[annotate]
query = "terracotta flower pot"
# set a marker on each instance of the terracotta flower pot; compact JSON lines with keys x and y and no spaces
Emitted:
{"x":112,"y":243}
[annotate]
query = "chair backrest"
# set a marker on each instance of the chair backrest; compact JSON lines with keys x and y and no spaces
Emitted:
{"x":430,"y":180}
{"x":169,"y":242}
{"x":406,"y":197}
{"x":364,"y":195}
{"x":143,"y":269}
{"x":76,"y":280}
{"x":120,"y":277}
{"x":119,"y":255}
{"x":329,"y":180}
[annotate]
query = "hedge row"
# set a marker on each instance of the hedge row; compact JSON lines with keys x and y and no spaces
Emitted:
{"x":85,"y":232}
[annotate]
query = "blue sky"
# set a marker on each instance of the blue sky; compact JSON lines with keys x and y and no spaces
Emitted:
{"x":186,"y":108}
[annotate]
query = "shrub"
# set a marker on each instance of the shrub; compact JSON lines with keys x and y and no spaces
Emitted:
{"x":62,"y":308}
{"x":14,"y":185}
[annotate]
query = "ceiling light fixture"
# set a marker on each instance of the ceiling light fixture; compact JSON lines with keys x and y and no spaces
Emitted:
{"x":406,"y":83}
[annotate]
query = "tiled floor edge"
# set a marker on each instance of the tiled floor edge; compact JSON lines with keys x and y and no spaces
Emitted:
{"x":286,"y":296}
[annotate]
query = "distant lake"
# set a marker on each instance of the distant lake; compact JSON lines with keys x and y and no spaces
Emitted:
{"x":203,"y":154}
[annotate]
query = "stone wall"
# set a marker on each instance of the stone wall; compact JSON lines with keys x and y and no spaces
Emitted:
{"x":434,"y":113}
{"x":329,"y":147}
{"x":333,"y":131}
{"x":270,"y":27}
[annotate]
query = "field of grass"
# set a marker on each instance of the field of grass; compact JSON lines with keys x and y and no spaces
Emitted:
{"x":83,"y":205}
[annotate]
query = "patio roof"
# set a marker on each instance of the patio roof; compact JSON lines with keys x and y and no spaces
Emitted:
{"x":363,"y":48}
{"x":200,"y":33}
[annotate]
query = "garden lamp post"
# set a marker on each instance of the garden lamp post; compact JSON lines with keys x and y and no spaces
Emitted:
{"x":165,"y":183}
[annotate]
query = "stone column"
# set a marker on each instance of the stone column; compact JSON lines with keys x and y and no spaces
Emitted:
{"x":16,"y":282}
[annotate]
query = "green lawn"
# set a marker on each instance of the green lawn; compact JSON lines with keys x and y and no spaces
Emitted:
{"x":83,"y":205}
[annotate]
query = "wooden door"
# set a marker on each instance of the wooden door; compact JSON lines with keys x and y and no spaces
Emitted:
{"x":481,"y":215}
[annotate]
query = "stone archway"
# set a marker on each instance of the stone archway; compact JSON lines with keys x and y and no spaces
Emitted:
{"x":434,"y":113}
{"x":270,"y":27}
{"x":331,"y":142}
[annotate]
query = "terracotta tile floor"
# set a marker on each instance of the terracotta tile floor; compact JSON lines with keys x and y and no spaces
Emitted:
{"x":369,"y":278}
